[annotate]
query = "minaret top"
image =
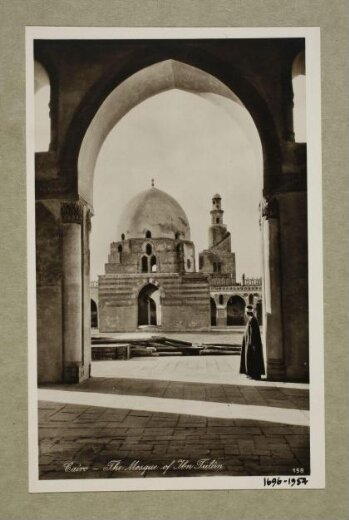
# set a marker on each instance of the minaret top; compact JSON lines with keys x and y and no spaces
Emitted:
{"x":216,"y":212}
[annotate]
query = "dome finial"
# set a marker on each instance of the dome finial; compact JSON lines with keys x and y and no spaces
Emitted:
{"x":152,"y":183}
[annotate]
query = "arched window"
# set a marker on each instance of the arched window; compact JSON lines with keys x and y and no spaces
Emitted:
{"x":179,"y":248}
{"x":188,"y":264}
{"x":123,"y":237}
{"x":217,"y":220}
{"x":144,"y":264}
{"x":94,"y":314}
{"x":299,"y":100}
{"x":201,"y":262}
{"x":42,"y":108}
{"x":148,"y":234}
{"x":217,"y":267}
{"x":153,"y":264}
{"x":221,"y":299}
{"x":120,"y":248}
{"x":177,"y":235}
{"x":148,"y":249}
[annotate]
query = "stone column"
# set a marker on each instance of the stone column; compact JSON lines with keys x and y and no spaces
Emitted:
{"x":273,"y":326}
{"x":73,"y":363}
{"x":86,"y":231}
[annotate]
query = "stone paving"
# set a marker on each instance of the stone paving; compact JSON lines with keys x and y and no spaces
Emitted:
{"x":280,"y":397}
{"x":192,"y":369}
{"x":87,"y":439}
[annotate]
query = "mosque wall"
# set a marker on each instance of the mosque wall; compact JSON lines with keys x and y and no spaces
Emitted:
{"x":186,"y":304}
{"x":139,"y":255}
{"x":184,"y":301}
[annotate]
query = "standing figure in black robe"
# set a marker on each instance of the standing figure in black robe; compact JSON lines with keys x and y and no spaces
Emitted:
{"x":251,"y":362}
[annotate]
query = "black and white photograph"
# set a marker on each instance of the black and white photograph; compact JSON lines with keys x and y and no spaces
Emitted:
{"x":174,"y":259}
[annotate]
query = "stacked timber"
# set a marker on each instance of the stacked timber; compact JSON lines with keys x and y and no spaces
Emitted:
{"x":221,"y":349}
{"x":113,"y":348}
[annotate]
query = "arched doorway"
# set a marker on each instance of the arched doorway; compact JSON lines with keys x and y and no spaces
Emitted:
{"x":236,"y":311}
{"x":234,"y":72}
{"x":149,"y":306}
{"x":213,"y":308}
{"x":94,"y":314}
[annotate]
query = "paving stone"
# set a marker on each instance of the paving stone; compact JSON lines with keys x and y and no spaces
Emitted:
{"x":297,"y":440}
{"x":244,"y":446}
{"x":282,"y":453}
{"x":231,"y":450}
{"x":114,"y":431}
{"x":275,"y":431}
{"x":131,"y":421}
{"x":159,"y":431}
{"x":240,"y":394}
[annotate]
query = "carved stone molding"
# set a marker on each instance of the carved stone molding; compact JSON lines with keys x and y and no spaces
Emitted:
{"x":72,"y":212}
{"x":270,"y":208}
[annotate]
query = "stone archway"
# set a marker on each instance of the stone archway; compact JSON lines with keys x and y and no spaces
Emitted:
{"x":64,"y":176}
{"x":236,"y":311}
{"x":147,"y":82}
{"x":149,"y":306}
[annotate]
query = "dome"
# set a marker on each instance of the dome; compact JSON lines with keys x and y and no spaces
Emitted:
{"x":217,"y":196}
{"x":156,"y":212}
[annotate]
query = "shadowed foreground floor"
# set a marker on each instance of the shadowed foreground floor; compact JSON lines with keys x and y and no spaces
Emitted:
{"x":87,"y":438}
{"x":151,"y":412}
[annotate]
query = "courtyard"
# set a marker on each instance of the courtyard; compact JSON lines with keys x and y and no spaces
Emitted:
{"x":192,"y":415}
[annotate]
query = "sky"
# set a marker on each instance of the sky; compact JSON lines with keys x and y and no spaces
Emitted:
{"x":193,"y":147}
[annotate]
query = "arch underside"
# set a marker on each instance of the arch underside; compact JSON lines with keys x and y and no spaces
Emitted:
{"x":143,"y":84}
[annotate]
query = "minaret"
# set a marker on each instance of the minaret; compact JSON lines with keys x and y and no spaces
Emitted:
{"x":217,"y":231}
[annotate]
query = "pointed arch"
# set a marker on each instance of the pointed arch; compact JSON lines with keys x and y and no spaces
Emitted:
{"x":94,"y":314}
{"x":144,"y":264}
{"x":149,"y":305}
{"x":236,"y":310}
{"x":95,"y":118}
